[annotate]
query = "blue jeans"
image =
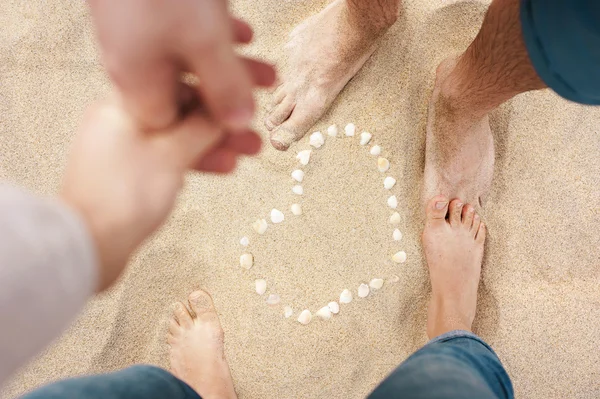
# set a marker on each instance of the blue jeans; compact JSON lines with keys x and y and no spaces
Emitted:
{"x":457,"y":364}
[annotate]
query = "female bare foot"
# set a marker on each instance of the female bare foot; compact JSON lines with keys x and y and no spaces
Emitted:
{"x":453,"y":241}
{"x":326,"y":51}
{"x":459,"y":156}
{"x":196,"y":341}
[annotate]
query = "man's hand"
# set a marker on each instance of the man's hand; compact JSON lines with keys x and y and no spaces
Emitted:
{"x":124,"y":181}
{"x":147,"y":44}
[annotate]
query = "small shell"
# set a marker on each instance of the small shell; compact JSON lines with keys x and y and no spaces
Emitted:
{"x":365,"y":137}
{"x":298,"y":175}
{"x":324,"y":313}
{"x":395,"y":218}
{"x":397,"y":235}
{"x":345,"y":297}
{"x":376,"y":283}
{"x":350,"y":129}
{"x":383,"y":164}
{"x":389,"y":182}
{"x":394,"y":279}
{"x":399,"y":257}
{"x":375,"y":150}
{"x":273,"y":299}
{"x":316,"y":139}
{"x":288,"y":312}
{"x":297,"y":189}
{"x":304,"y":157}
{"x":260,"y":226}
{"x":261,"y":286}
{"x":392,"y":202}
{"x":244,"y":241}
{"x":277,"y":216}
{"x":296,"y":209}
{"x":246,"y":261}
{"x":305,"y":317}
{"x":332,"y":131}
{"x":363,"y":290}
{"x":334,"y":307}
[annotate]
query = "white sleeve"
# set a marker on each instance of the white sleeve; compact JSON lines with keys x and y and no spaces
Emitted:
{"x":48,"y":270}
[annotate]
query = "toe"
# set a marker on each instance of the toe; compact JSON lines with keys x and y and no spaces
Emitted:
{"x":181,"y":314}
{"x":201,"y":302}
{"x":280,"y":113}
{"x":467,"y":216}
{"x":437,"y":209}
{"x":174,"y":327}
{"x":455,"y":214}
{"x":475,"y":225}
{"x":294,"y":128}
{"x":278,"y":96}
{"x":481,"y":233}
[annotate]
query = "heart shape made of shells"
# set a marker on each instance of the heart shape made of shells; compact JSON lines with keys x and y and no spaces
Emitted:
{"x":317,"y":140}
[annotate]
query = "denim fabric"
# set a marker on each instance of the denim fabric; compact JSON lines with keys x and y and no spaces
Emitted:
{"x":457,"y":364}
{"x":137,"y":382}
{"x":563,"y":42}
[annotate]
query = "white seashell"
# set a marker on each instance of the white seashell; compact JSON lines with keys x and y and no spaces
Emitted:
{"x":394,"y":279}
{"x":261,"y":286}
{"x":273,"y":299}
{"x":375,"y":150}
{"x":246,"y":261}
{"x":383,"y":164}
{"x":389,"y":182}
{"x":392,"y":202}
{"x":334,"y":307}
{"x":350,"y":129}
{"x":298,"y":175}
{"x":365,"y":137}
{"x":345,"y":297}
{"x":395,"y":218}
{"x":332,"y":131}
{"x":305,"y":317}
{"x":297,"y":189}
{"x":296,"y":209}
{"x":397,"y":235}
{"x":324,"y":313}
{"x":288,"y":312}
{"x":363,"y":290}
{"x":245,"y":241}
{"x":277,"y":216}
{"x":260,"y":226}
{"x":316,"y":139}
{"x":304,"y":157}
{"x":399,"y":257}
{"x":376,"y":283}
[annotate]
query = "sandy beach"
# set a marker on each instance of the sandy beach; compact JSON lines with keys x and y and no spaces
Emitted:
{"x":540,"y":293}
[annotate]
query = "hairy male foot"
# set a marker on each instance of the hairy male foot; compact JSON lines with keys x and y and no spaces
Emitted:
{"x":325,"y":52}
{"x":196,"y":341}
{"x":453,"y":241}
{"x":459,"y":156}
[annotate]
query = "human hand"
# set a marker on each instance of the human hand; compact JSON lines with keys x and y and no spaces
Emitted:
{"x":124,"y":182}
{"x":148,"y":43}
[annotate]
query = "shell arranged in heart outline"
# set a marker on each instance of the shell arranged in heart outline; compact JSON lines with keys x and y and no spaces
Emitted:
{"x":317,"y":140}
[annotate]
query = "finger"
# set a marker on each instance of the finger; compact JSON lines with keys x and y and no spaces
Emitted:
{"x":242,"y":32}
{"x":248,"y":143}
{"x":262,"y":74}
{"x":225,"y":83}
{"x":220,"y":160}
{"x":148,"y":89}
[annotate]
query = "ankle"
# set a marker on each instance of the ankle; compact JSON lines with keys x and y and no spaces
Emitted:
{"x":375,"y":18}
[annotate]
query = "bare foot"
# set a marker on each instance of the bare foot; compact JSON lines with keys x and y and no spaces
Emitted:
{"x":453,"y":243}
{"x":459,"y":159}
{"x":326,"y":51}
{"x":196,"y":340}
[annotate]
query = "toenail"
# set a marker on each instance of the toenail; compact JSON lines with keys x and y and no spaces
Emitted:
{"x":441,"y":204}
{"x":460,"y":204}
{"x":471,"y":210}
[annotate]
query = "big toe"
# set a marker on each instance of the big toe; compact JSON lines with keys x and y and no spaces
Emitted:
{"x":437,"y":209}
{"x":201,"y":302}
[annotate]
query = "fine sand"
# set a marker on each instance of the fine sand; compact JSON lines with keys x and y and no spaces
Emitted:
{"x":540,"y":294}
